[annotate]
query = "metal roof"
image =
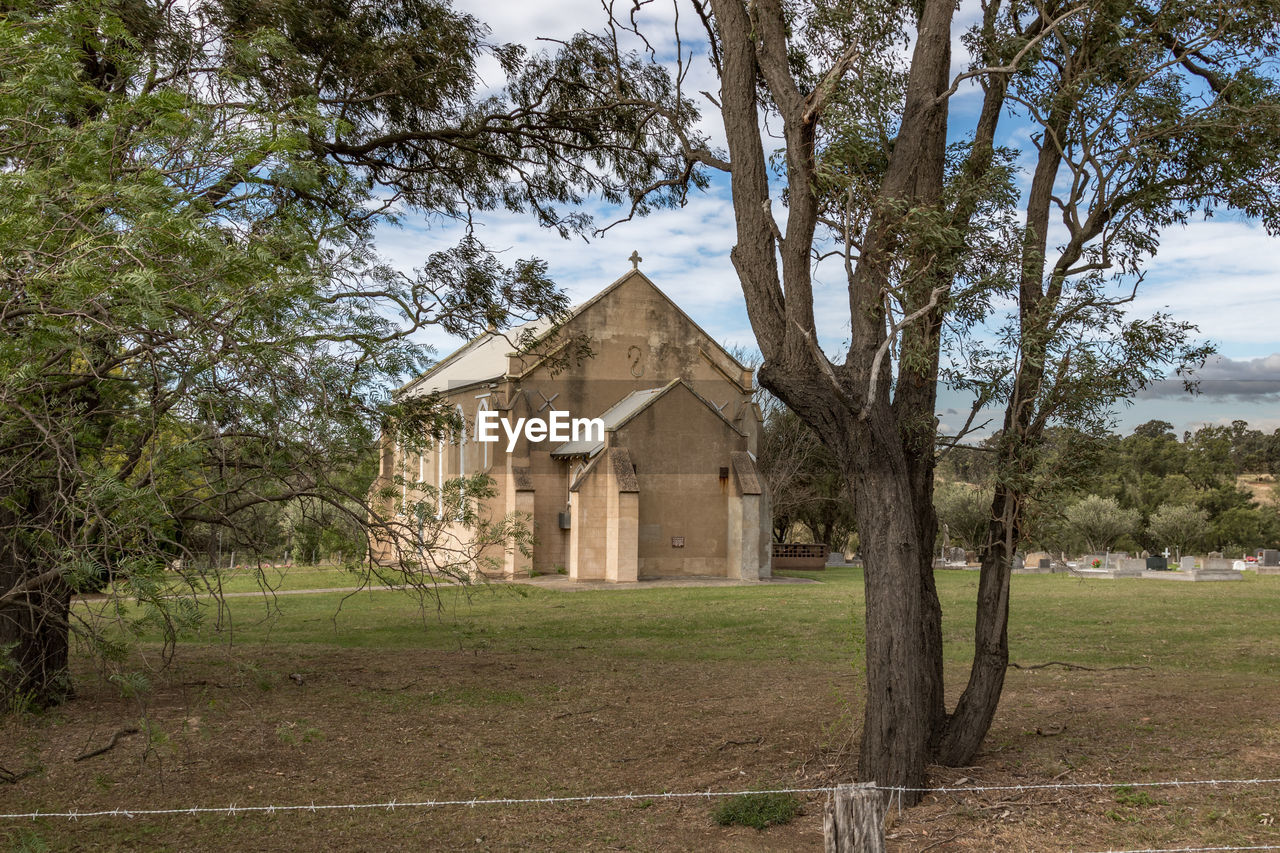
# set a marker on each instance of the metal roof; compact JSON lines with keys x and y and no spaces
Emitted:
{"x":481,"y":358}
{"x":616,"y":415}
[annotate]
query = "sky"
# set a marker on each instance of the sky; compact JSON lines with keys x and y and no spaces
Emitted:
{"x":1220,"y":274}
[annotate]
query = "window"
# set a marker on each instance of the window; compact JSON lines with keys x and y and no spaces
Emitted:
{"x":404,"y":475}
{"x":484,"y":445}
{"x":462,"y":444}
{"x":440,"y":479}
{"x":462,"y":460}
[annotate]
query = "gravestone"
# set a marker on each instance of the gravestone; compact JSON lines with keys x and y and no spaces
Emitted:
{"x":1109,"y":566}
{"x":1157,"y":564}
{"x":1215,"y":555}
{"x":1269,"y":557}
{"x":1210,"y":569}
{"x":1146,"y":555}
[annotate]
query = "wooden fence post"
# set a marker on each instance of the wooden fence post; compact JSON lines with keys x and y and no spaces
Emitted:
{"x":853,"y":820}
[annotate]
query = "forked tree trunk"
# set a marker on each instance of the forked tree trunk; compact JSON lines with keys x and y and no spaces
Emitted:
{"x":883,"y":442}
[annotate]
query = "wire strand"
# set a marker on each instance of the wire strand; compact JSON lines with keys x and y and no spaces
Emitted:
{"x":665,"y":795}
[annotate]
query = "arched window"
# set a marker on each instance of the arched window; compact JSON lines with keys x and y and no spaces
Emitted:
{"x":440,"y":479}
{"x":462,"y":443}
{"x":462,"y":461}
{"x":484,"y":445}
{"x":404,"y":474}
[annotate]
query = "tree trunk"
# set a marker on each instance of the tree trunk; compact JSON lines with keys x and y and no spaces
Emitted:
{"x":967,"y":727}
{"x":904,"y":663}
{"x":34,"y":630}
{"x":963,"y":732}
{"x":884,"y":449}
{"x":904,"y":700}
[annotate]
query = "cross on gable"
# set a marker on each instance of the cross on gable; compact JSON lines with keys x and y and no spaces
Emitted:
{"x":635,"y":260}
{"x":548,"y":401}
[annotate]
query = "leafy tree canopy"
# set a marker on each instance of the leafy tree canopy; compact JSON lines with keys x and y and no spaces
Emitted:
{"x":195,"y":327}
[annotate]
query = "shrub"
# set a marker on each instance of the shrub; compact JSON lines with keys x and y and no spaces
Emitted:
{"x":757,"y":810}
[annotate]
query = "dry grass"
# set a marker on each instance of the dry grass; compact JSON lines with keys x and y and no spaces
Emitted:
{"x":679,"y":690}
{"x":1261,"y":486}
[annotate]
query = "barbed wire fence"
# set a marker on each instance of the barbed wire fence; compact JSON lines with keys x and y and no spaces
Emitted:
{"x":889,"y":792}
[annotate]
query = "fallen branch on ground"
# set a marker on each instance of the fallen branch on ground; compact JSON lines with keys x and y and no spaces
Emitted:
{"x":8,"y":777}
{"x":1074,"y":666}
{"x":579,"y":713}
{"x":115,"y":739}
{"x":750,"y":742}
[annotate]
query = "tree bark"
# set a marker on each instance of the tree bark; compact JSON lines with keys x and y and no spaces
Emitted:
{"x":881,"y":437}
{"x":903,"y":661}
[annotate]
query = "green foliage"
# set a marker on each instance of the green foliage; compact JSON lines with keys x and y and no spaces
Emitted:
{"x":25,"y":840}
{"x":1098,"y":523}
{"x":1127,"y":795}
{"x":757,"y":811}
{"x":196,"y":330}
{"x":1180,"y":527}
{"x":297,"y":732}
{"x":131,"y":684}
{"x":966,"y":510}
{"x":1183,"y":490}
{"x":806,"y":486}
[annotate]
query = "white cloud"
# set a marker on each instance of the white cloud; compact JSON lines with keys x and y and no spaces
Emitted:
{"x":1219,"y":274}
{"x":1222,"y":276}
{"x":685,"y":252}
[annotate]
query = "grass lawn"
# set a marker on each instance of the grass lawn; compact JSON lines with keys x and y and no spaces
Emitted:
{"x":518,"y":691}
{"x":269,"y":579}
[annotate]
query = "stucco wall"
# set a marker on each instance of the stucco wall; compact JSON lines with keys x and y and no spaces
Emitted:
{"x":639,"y":341}
{"x":679,"y":446}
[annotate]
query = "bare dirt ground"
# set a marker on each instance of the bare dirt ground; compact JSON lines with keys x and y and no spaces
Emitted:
{"x":376,"y":725}
{"x":1262,"y":486}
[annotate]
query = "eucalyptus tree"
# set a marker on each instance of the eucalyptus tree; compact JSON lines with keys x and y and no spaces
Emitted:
{"x":844,"y":156}
{"x":195,"y":326}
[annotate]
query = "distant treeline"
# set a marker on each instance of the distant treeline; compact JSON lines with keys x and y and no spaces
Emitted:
{"x":1210,"y":489}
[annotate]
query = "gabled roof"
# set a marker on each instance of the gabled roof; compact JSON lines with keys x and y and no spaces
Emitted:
{"x":627,"y":408}
{"x":616,"y":415}
{"x":484,"y":358}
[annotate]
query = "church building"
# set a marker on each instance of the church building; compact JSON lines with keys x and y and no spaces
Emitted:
{"x":662,"y":483}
